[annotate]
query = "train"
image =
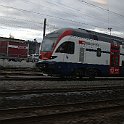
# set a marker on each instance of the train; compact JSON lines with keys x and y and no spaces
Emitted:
{"x":81,"y":53}
{"x":17,"y":50}
{"x":13,"y":49}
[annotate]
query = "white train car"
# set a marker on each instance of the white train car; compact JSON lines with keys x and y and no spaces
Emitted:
{"x":80,"y":52}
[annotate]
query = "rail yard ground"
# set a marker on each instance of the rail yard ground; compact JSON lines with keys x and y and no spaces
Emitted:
{"x":37,"y":99}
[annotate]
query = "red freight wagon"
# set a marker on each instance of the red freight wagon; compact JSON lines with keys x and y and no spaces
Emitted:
{"x":13,"y":49}
{"x":3,"y":48}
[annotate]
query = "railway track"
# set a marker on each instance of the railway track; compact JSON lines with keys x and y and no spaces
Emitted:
{"x":39,"y":77}
{"x":53,"y":96}
{"x":21,"y":73}
{"x":81,"y":110}
{"x":11,"y":75}
{"x":62,"y":90}
{"x":69,"y":103}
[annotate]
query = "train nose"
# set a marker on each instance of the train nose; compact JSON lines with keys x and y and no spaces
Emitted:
{"x":45,"y":55}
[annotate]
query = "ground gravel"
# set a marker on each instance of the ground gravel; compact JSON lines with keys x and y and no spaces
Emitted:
{"x":27,"y":85}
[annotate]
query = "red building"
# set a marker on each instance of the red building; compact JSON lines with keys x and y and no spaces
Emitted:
{"x":13,"y":49}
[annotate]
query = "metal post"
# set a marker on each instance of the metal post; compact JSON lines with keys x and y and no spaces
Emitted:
{"x":44,"y":28}
{"x":44,"y":33}
{"x":110,"y":29}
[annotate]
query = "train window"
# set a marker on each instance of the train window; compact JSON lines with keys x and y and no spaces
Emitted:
{"x":66,"y":47}
{"x":98,"y":52}
{"x":123,"y":63}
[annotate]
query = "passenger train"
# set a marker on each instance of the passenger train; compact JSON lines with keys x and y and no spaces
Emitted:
{"x":81,"y":53}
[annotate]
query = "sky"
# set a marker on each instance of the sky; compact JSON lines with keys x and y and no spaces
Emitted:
{"x":23,"y":19}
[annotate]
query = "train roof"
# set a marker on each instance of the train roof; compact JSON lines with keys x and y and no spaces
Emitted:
{"x":83,"y":33}
{"x":100,"y":36}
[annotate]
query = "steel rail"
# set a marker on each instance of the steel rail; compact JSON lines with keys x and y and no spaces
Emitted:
{"x":18,"y":114}
{"x":39,"y":77}
{"x":63,"y":90}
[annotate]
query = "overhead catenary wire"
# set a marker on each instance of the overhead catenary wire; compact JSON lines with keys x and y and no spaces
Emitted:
{"x":47,"y":15}
{"x":88,"y":3}
{"x":78,"y":10}
{"x":83,"y":1}
{"x":64,"y":19}
{"x":25,"y":20}
{"x":55,"y":4}
{"x":51,"y":16}
{"x":96,"y":6}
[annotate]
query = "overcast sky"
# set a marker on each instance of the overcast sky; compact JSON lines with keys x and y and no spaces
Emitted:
{"x":23,"y":19}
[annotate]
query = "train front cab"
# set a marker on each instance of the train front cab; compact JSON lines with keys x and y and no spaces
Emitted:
{"x":54,"y":52}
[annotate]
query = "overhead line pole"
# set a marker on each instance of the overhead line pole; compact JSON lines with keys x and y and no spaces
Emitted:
{"x":44,"y":28}
{"x":110,"y":29}
{"x":44,"y":33}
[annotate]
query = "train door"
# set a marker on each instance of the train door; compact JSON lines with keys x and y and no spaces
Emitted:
{"x":114,"y":59}
{"x":81,"y":51}
{"x":81,"y":55}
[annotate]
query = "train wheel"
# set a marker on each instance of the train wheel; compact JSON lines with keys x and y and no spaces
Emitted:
{"x":78,"y":73}
{"x":91,"y":73}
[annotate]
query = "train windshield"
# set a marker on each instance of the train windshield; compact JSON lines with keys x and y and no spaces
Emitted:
{"x":48,"y":43}
{"x":50,"y":40}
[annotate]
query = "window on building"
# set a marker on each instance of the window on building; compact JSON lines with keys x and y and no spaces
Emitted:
{"x":98,"y":52}
{"x":66,"y":47}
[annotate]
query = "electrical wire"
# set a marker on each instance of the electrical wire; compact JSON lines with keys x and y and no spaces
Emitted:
{"x":68,"y":20}
{"x":47,"y":15}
